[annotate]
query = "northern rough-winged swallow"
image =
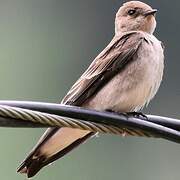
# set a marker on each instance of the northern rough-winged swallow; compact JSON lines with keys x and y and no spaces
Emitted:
{"x":124,"y":77}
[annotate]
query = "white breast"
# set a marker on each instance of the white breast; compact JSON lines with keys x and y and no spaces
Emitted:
{"x":155,"y":66}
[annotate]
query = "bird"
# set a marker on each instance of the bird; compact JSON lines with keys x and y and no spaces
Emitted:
{"x":124,"y":77}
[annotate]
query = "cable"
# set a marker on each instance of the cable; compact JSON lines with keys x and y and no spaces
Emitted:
{"x":33,"y":114}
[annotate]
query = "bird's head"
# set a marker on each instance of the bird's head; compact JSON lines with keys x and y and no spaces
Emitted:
{"x":135,"y":16}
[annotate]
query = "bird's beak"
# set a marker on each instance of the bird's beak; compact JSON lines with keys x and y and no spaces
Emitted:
{"x":150,"y":12}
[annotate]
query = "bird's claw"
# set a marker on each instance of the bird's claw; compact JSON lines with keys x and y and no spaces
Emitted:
{"x":137,"y":115}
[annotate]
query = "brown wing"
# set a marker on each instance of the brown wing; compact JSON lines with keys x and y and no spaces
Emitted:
{"x":113,"y":59}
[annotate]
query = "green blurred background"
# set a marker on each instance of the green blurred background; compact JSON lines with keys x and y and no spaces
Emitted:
{"x":45,"y":45}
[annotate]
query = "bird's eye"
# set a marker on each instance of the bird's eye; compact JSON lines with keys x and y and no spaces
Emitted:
{"x":131,"y":12}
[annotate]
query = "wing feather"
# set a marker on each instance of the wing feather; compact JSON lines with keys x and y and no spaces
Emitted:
{"x":112,"y":60}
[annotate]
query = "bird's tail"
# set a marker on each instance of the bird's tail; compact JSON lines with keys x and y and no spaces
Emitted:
{"x":54,"y":144}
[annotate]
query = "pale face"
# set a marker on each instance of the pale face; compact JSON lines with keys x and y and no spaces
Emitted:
{"x":135,"y":16}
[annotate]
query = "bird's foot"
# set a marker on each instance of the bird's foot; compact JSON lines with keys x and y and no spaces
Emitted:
{"x":137,"y":115}
{"x":128,"y":114}
{"x":118,"y":113}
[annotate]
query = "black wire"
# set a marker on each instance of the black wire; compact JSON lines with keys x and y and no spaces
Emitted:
{"x":159,"y":126}
{"x":77,"y":112}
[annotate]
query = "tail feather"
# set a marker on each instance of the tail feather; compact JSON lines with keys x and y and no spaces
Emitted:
{"x":37,"y":159}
